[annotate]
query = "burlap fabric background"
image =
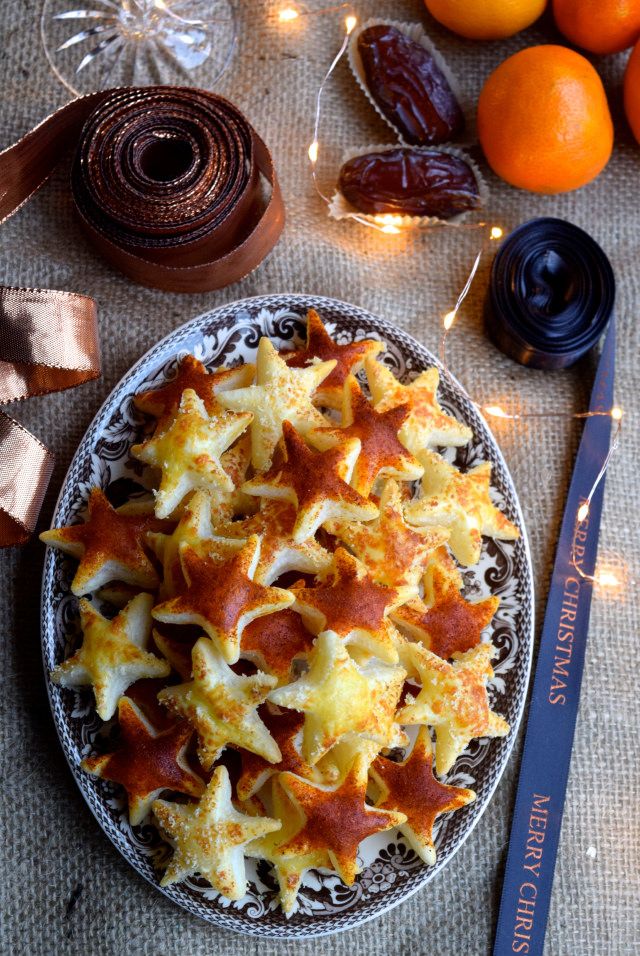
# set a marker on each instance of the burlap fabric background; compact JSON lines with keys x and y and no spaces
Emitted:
{"x":64,"y":889}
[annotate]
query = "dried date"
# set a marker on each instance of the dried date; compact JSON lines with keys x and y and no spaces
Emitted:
{"x":408,"y":86}
{"x":411,"y":182}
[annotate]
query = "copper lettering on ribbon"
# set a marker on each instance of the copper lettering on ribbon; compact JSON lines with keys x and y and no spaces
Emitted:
{"x":48,"y":342}
{"x":531,"y":866}
{"x":563,"y":652}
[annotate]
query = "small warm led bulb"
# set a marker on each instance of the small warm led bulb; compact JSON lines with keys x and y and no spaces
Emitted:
{"x":496,"y":232}
{"x":616,"y":413}
{"x":287,"y":15}
{"x":496,"y":411}
{"x":390,"y":229}
{"x":448,"y":320}
{"x":349,"y":24}
{"x":607,"y":579}
{"x":583,"y":511}
{"x":313,"y":151}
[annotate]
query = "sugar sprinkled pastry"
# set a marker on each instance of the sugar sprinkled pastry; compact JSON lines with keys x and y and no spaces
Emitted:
{"x":147,"y":761}
{"x":112,"y":654}
{"x":426,"y":425}
{"x":222,"y":706}
{"x":410,"y":787}
{"x":445,"y":622}
{"x":301,"y":590}
{"x":381,"y":452}
{"x":209,"y":836}
{"x":351,"y":604}
{"x":162,"y":403}
{"x":394,"y":553}
{"x":108,"y":546}
{"x":335,"y":819}
{"x":319,"y":346}
{"x":280,"y":394}
{"x":188,"y":450}
{"x":280,"y":552}
{"x":460,"y":501}
{"x":340,"y":697}
{"x":452,"y":698}
{"x":221,"y":595}
{"x":316,"y":482}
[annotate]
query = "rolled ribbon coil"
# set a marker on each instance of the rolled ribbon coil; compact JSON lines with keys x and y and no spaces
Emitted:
{"x":166,"y":182}
{"x":551,"y":294}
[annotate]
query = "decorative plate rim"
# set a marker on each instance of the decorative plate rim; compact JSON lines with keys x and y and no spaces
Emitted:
{"x":119,"y":839}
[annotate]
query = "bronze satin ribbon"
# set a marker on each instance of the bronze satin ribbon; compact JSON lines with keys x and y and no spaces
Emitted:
{"x":166,"y":182}
{"x":48,"y":342}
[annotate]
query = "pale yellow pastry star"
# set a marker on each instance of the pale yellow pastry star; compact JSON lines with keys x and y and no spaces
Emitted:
{"x":452,"y":698}
{"x":188,"y":451}
{"x":316,"y":482}
{"x":426,"y":426}
{"x":280,"y":393}
{"x":340,"y":697}
{"x":222,"y":706}
{"x":112,"y":654}
{"x":460,"y":501}
{"x":394,"y":553}
{"x":208,"y":837}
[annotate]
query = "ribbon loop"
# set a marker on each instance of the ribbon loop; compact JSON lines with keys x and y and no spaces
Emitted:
{"x":48,"y":342}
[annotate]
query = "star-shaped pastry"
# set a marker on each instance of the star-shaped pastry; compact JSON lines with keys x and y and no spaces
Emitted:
{"x":444,"y":621}
{"x":289,"y":870}
{"x":426,"y":426}
{"x":280,"y":552}
{"x":147,"y":761}
{"x":349,"y":358}
{"x":188,"y":450}
{"x":286,"y":730}
{"x":340,"y":697}
{"x":222,"y":706}
{"x":352,"y":605}
{"x":163,"y":402}
{"x":221,"y":595}
{"x":176,"y":652}
{"x":280,"y":393}
{"x":316,"y":482}
{"x":381,"y":451}
{"x":460,"y":501}
{"x":109,"y":547}
{"x":274,"y":642}
{"x":411,"y":788}
{"x":453,"y":699}
{"x":112,"y":653}
{"x":336,"y":820}
{"x":208,"y":837}
{"x":394,"y":553}
{"x":194,"y":527}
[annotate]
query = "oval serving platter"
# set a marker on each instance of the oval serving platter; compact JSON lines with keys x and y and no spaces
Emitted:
{"x":390,"y":870}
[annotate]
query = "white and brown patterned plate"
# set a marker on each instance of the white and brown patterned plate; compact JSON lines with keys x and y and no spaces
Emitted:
{"x":390,"y":870}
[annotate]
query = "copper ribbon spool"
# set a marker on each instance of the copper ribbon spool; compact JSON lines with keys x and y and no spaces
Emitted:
{"x":167,"y":185}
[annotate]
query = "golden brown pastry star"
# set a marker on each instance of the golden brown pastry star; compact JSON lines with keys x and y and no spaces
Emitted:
{"x":147,"y":761}
{"x":221,"y":595}
{"x":275,"y":641}
{"x":336,"y":821}
{"x":109,"y":547}
{"x":286,"y":730}
{"x":411,"y":788}
{"x":349,"y":358}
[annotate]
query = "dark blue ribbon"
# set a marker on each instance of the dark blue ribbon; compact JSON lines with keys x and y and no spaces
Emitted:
{"x":540,"y":797}
{"x":551,"y":294}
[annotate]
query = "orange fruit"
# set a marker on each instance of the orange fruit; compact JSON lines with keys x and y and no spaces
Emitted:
{"x":544,"y":121}
{"x":600,"y":26}
{"x":485,"y":19}
{"x":632,"y":91}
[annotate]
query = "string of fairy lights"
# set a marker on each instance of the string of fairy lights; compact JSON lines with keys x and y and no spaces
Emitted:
{"x":605,"y":576}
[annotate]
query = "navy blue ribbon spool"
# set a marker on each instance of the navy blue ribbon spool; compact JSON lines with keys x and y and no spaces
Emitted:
{"x":551,"y":294}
